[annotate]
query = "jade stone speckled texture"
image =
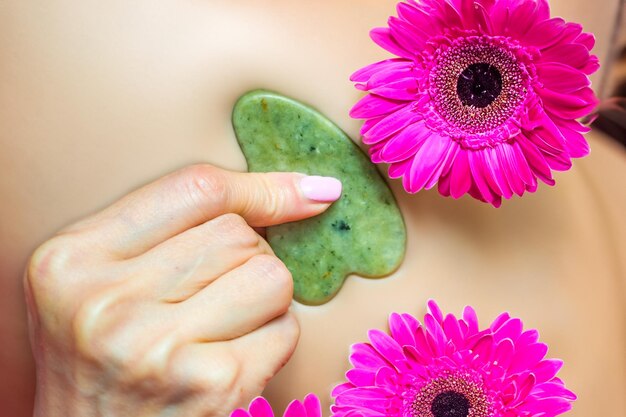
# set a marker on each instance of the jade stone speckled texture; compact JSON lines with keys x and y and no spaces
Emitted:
{"x":361,"y":233}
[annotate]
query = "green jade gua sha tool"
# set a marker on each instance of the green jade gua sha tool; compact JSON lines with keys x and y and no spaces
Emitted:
{"x":361,"y":233}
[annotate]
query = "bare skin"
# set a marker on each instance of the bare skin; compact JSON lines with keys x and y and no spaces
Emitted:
{"x":168,"y":302}
{"x":99,"y":98}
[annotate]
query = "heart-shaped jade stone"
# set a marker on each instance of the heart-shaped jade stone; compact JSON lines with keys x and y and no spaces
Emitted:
{"x":361,"y":233}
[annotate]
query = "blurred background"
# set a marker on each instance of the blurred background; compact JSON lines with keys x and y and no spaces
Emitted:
{"x":612,"y":113}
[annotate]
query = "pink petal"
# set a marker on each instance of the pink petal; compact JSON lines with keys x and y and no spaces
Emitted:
{"x":426,"y":161}
{"x":453,"y":331}
{"x":528,"y":357}
{"x":548,"y":406}
{"x":575,"y":143}
{"x":444,"y":167}
{"x":547,"y":369}
{"x":421,"y":343}
{"x":480,"y":177}
{"x":571,"y":54}
{"x":407,"y":35}
{"x":484,"y":347}
{"x":430,"y":24}
{"x":240,"y":413}
{"x":499,"y":321}
{"x":386,"y":378}
{"x":554,"y":389}
{"x":546,"y":142}
{"x":259,"y":407}
{"x":510,"y":168}
{"x":371,"y":397}
{"x":436,"y":333}
{"x":504,"y":352}
{"x":364,"y":356}
{"x":470,"y":318}
{"x":522,"y":166}
{"x":295,"y":409}
{"x":460,"y":177}
{"x":312,"y":405}
{"x":536,"y":161}
{"x":483,"y":20}
{"x":390,"y":125}
{"x":374,"y":106}
{"x":400,"y":330}
{"x":386,"y":346}
{"x":396,"y":170}
{"x":402,"y":89}
{"x":511,"y":329}
{"x":434,"y":310}
{"x":528,"y":337}
{"x":569,"y":106}
{"x":494,"y":166}
{"x":339,"y":389}
{"x":561,"y":78}
{"x":360,"y":377}
{"x":588,"y":40}
{"x":524,"y":387}
{"x":383,"y":38}
{"x":545,"y":34}
{"x":523,"y":17}
{"x":395,"y":65}
{"x":381,"y":78}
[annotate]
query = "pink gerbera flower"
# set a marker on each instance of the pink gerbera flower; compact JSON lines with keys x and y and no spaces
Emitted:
{"x":448,"y":367}
{"x":259,"y":407}
{"x":482,"y":99}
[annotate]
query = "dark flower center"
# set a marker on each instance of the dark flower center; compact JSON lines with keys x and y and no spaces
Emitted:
{"x":450,"y":404}
{"x":479,"y":85}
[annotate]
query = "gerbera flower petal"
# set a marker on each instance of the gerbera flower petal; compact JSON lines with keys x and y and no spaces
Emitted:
{"x":388,"y":65}
{"x":385,"y":345}
{"x":312,"y":406}
{"x":562,"y":78}
{"x":477,"y":374}
{"x":390,"y":125}
{"x":375,"y":106}
{"x":382,"y":37}
{"x":547,"y":369}
{"x":528,"y":357}
{"x":259,"y":407}
{"x":571,"y":54}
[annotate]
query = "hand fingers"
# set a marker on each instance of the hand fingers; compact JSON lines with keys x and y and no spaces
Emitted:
{"x":241,"y":301}
{"x":265,"y":351}
{"x":188,"y":262}
{"x":236,"y":370}
{"x":196,"y":194}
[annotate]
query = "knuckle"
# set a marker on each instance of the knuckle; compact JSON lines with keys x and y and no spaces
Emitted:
{"x":51,"y":260}
{"x":204,"y":184}
{"x":85,"y":322}
{"x":290,"y":329}
{"x":275,"y":272}
{"x":216,"y":376}
{"x":223,"y":378}
{"x":232,"y":226}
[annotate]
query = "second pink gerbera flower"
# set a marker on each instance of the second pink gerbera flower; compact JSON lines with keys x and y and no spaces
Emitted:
{"x":482,"y":99}
{"x":449,"y":367}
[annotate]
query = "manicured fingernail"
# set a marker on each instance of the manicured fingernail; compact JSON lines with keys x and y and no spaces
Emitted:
{"x":323,"y":189}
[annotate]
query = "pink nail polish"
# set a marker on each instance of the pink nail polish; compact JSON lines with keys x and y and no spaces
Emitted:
{"x":323,"y":189}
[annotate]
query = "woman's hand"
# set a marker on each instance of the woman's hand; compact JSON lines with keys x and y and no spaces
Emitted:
{"x":168,"y":303}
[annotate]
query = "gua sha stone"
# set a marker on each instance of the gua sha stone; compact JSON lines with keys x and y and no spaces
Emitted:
{"x":361,"y":233}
